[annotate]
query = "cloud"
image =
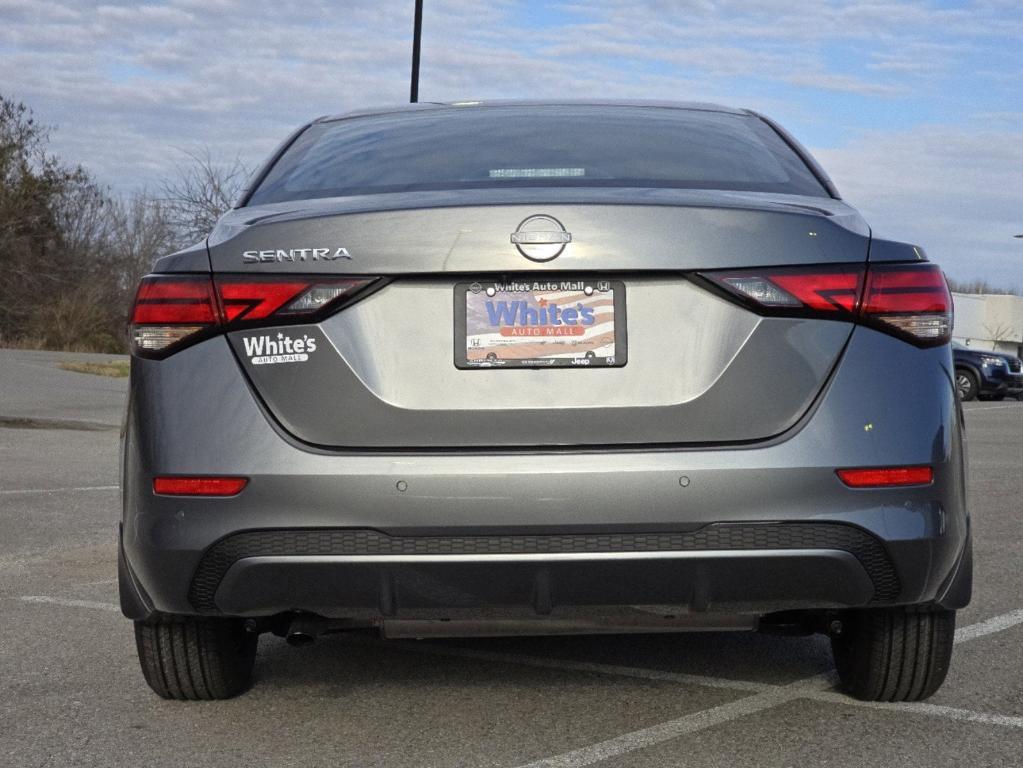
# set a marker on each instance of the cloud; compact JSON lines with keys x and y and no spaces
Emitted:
{"x":846,"y":83}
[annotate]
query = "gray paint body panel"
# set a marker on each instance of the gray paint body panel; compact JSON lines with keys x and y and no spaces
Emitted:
{"x":195,"y":258}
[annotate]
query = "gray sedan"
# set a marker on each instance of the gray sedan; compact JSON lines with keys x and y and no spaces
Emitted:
{"x":534,"y":368}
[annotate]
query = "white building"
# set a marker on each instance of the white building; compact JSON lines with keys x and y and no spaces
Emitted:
{"x":989,"y":321}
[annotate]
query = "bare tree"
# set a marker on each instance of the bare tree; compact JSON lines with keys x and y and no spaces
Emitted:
{"x":201,"y":190}
{"x":52,"y":226}
{"x":1000,"y":332}
{"x":141,"y":231}
{"x":81,"y":214}
{"x":78,"y":319}
{"x":70,"y":254}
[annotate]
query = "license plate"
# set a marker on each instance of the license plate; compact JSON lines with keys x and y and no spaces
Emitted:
{"x":564,"y":323}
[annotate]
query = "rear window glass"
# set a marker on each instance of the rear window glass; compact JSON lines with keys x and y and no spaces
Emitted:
{"x":563,"y":146}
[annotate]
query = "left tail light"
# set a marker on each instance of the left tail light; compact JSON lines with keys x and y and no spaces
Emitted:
{"x":173,"y":311}
{"x":911,"y":301}
{"x":169,"y":310}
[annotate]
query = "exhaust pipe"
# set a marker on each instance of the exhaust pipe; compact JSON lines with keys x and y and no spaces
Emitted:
{"x":304,"y":629}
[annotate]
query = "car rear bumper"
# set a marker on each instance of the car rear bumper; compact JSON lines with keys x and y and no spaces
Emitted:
{"x":733,"y":567}
{"x":358,"y":573}
{"x":756,"y":528}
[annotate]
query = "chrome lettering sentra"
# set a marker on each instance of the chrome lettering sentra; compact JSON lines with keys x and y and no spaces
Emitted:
{"x":295,"y":255}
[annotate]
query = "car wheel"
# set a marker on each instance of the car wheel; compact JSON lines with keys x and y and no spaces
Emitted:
{"x":966,"y":385}
{"x":195,"y":658}
{"x":894,"y":654}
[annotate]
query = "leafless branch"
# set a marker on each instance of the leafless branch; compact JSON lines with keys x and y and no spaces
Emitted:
{"x":200,"y":191}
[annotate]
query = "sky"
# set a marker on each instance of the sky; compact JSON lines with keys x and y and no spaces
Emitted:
{"x":915,"y":108}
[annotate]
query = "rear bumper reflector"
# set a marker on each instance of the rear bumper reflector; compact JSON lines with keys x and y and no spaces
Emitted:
{"x":199,"y":486}
{"x":886,"y":477}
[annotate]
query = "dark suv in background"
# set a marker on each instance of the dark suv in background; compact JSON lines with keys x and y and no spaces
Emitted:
{"x":987,"y":375}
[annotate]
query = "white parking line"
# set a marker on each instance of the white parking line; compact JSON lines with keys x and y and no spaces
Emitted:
{"x":993,"y":407}
{"x":95,"y":583}
{"x":672,"y":729}
{"x":922,"y":708}
{"x":990,"y":626}
{"x":810,"y":688}
{"x":59,"y":490}
{"x":93,"y":604}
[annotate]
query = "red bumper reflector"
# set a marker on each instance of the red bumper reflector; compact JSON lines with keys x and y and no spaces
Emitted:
{"x":886,"y":477}
{"x":199,"y":486}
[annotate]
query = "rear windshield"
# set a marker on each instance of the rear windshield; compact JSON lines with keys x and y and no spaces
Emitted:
{"x":556,"y":146}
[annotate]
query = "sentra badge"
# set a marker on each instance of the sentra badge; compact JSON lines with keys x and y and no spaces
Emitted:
{"x":295,"y":255}
{"x":271,"y":350}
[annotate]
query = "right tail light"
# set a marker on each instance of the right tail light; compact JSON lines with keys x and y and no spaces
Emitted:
{"x":911,"y":301}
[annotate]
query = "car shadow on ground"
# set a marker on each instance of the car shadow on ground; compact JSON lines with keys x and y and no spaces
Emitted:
{"x":367,"y":660}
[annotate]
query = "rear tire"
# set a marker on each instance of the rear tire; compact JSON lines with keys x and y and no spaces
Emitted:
{"x":196,"y":659}
{"x":894,"y":654}
{"x":966,"y":385}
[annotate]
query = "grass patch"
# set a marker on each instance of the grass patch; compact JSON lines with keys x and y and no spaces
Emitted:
{"x":116,"y":369}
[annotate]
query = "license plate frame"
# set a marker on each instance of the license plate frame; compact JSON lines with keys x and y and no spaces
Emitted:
{"x":482,"y":351}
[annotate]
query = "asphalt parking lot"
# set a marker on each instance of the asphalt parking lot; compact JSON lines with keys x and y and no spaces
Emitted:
{"x":71,"y":692}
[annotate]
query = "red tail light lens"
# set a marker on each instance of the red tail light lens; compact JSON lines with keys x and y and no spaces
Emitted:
{"x":885,"y":477}
{"x":255,"y":300}
{"x":172,"y":310}
{"x":908,"y":300}
{"x":199,"y":486}
{"x":806,"y":289}
{"x":247,"y":299}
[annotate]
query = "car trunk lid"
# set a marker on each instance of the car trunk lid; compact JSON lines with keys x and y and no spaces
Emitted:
{"x":382,"y":373}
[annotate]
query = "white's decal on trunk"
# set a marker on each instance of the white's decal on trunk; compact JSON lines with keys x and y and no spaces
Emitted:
{"x":267,"y":350}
